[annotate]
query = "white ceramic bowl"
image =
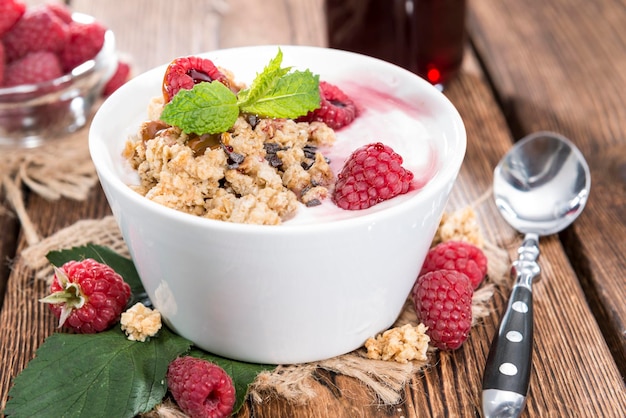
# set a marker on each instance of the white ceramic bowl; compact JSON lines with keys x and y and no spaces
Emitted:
{"x":290,"y":293}
{"x":33,"y":114}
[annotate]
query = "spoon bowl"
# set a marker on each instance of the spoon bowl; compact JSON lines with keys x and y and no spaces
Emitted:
{"x":540,"y":187}
{"x":542,"y":184}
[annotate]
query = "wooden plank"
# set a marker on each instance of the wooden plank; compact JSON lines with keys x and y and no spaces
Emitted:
{"x":559,"y":65}
{"x":152,"y":33}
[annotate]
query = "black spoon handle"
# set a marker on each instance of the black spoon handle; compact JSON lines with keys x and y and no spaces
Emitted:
{"x":507,"y":372}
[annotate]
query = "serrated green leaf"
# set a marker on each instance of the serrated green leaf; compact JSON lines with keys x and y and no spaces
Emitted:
{"x":293,"y":95}
{"x":265,"y":82}
{"x":242,"y":373}
{"x":206,"y":108}
{"x":95,"y":375}
{"x":122,"y":265}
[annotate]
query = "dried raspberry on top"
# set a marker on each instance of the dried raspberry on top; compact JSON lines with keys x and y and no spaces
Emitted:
{"x":38,"y":30}
{"x":186,"y":72}
{"x":443,"y":302}
{"x":372,"y":174}
{"x":460,"y":256}
{"x":336,"y":109}
{"x":84,"y":42}
{"x":33,"y":68}
{"x":87,"y":296}
{"x":10,"y":12}
{"x":201,"y":388}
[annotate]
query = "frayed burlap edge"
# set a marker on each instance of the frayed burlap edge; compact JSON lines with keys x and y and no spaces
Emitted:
{"x":56,"y":169}
{"x":294,"y":383}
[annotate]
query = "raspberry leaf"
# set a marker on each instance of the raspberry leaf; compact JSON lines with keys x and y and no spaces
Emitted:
{"x":243,"y":374}
{"x":76,"y":375}
{"x":206,"y":108}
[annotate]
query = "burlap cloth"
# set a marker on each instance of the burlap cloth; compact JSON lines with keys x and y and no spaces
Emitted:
{"x":63,"y":168}
{"x":386,"y":379}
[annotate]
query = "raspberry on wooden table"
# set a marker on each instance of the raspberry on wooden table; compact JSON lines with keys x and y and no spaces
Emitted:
{"x":372,"y":174}
{"x":460,"y":256}
{"x":336,"y":109}
{"x":200,"y":388}
{"x":443,"y":302}
{"x":121,"y":76}
{"x":87,"y":296}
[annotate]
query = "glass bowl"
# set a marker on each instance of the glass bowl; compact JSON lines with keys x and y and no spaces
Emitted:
{"x":33,"y":114}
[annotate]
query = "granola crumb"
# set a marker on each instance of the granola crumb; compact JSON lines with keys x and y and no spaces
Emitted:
{"x":461,"y":225}
{"x":140,"y":322}
{"x":400,"y":344}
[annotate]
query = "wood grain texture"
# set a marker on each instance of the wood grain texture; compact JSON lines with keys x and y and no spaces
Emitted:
{"x":559,"y":65}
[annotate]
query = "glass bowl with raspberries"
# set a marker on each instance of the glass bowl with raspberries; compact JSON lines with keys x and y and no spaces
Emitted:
{"x":278,"y":201}
{"x":54,"y":65}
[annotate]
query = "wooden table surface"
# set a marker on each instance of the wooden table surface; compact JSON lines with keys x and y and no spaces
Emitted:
{"x":555,"y":65}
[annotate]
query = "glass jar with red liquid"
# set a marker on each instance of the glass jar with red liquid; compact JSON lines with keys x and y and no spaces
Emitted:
{"x":424,"y":36}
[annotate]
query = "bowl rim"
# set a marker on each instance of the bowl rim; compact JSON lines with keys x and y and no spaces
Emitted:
{"x":80,"y":71}
{"x":447,"y":174}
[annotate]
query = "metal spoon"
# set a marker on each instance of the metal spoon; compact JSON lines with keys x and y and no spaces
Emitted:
{"x":540,"y":186}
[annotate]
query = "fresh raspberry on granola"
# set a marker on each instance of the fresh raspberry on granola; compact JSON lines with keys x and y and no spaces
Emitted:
{"x":84,"y":42}
{"x":185,"y":72}
{"x":443,"y":302}
{"x":372,"y":174}
{"x":460,"y":256}
{"x":10,"y":12}
{"x":200,"y":388}
{"x":336,"y":109}
{"x":87,"y":296}
{"x":37,"y":30}
{"x":34,"y":67}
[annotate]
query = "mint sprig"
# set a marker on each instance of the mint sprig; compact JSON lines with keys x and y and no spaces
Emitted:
{"x":276,"y":92}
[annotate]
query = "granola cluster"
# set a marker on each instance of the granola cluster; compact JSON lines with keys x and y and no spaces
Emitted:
{"x":400,"y":344}
{"x":140,"y":322}
{"x":255,"y":173}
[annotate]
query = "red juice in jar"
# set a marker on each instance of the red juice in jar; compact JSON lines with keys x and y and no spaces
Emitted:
{"x":436,"y":37}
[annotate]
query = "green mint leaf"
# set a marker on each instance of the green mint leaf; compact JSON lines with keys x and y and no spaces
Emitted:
{"x":208,"y":108}
{"x":243,"y":374}
{"x":93,"y":375}
{"x":292,"y":95}
{"x":122,"y":265}
{"x":264,"y":82}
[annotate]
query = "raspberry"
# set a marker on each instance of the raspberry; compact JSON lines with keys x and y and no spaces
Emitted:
{"x":443,"y":302}
{"x":336,"y":109}
{"x":201,"y":388}
{"x":372,"y":174}
{"x":121,"y":76}
{"x":460,"y":256}
{"x":185,"y":72}
{"x":87,"y":296}
{"x":2,"y":64}
{"x":10,"y":12}
{"x":84,"y":42}
{"x":37,"y":30}
{"x":35,"y":67}
{"x":60,"y":10}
